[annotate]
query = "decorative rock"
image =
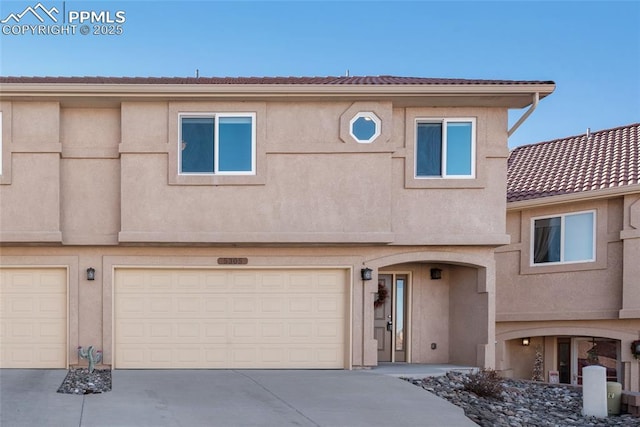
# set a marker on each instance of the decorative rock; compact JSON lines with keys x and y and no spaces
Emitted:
{"x":81,"y":381}
{"x":523,"y":403}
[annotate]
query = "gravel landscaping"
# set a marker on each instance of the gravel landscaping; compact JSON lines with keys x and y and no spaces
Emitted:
{"x":80,"y":381}
{"x":522,"y":404}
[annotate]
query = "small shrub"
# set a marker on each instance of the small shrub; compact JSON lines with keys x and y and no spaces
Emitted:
{"x":484,"y":383}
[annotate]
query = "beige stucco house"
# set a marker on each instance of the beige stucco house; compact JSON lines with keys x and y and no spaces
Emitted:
{"x":568,"y":284}
{"x":234,"y":222}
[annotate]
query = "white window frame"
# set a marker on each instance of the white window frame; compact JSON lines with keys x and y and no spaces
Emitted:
{"x":216,"y":157}
{"x":367,"y":115}
{"x":443,"y":160}
{"x":562,"y":217}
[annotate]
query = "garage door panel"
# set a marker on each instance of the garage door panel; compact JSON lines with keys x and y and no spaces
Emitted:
{"x":272,"y":330}
{"x":215,"y":307}
{"x":159,"y":306}
{"x":28,"y":332}
{"x":243,"y":305}
{"x":30,"y":306}
{"x":328,"y":355}
{"x":274,"y":282}
{"x":17,"y":306}
{"x":130,"y":330}
{"x":133,"y":306}
{"x":238,"y":357}
{"x":131,"y":356}
{"x":325,"y":305}
{"x":214,"y":332}
{"x":33,"y":318}
{"x":230,"y":318}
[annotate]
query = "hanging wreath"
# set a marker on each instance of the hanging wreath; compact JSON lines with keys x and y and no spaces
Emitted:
{"x":383,"y":294}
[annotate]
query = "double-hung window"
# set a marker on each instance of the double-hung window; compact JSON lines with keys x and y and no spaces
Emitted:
{"x":445,"y":148}
{"x":566,"y":238}
{"x":219,"y":144}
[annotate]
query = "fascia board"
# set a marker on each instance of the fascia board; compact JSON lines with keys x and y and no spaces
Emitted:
{"x":573,"y":197}
{"x":163,"y":90}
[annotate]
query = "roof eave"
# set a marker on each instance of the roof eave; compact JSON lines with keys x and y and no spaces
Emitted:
{"x":573,"y":197}
{"x":52,"y":90}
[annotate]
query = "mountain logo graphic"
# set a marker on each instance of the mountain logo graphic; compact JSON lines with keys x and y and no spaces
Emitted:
{"x":38,"y":11}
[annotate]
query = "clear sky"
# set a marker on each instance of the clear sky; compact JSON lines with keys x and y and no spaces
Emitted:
{"x":591,"y":49}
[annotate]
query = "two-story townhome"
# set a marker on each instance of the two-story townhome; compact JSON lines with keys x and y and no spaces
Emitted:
{"x":568,"y":284}
{"x":329,"y":222}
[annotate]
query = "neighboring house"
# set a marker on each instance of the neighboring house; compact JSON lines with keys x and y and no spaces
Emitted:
{"x":569,"y":282}
{"x":232,"y":222}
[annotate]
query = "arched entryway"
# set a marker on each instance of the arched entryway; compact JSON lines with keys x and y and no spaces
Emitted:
{"x":432,"y":307}
{"x":565,"y":351}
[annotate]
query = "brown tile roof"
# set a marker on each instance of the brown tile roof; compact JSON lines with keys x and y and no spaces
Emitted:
{"x":606,"y":159}
{"x":347,"y":80}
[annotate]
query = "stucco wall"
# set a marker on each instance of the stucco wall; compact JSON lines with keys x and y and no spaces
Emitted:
{"x":592,"y":299}
{"x":631,"y":271}
{"x":108,"y":174}
{"x":30,"y":190}
{"x":99,"y":180}
{"x":91,"y":302}
{"x":590,"y":290}
{"x":468,"y":315}
{"x":430,"y":315}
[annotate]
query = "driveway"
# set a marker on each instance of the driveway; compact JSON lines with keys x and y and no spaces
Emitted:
{"x":225,"y":398}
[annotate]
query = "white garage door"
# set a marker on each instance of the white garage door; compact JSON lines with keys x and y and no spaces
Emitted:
{"x":243,"y":318}
{"x":33,"y":318}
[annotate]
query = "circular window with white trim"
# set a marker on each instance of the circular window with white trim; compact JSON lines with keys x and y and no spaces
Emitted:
{"x":364,"y":127}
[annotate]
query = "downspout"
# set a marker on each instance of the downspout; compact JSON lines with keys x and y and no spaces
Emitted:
{"x":536,"y":99}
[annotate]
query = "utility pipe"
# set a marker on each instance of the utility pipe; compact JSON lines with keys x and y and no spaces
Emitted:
{"x":534,"y":104}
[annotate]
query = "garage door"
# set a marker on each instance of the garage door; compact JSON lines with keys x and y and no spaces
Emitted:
{"x":240,"y":318}
{"x":33,"y":318}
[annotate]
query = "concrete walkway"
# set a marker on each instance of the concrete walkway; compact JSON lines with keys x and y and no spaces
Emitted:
{"x":226,"y":398}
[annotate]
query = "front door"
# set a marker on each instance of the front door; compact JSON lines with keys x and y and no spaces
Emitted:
{"x":564,"y":360}
{"x":390,"y":316}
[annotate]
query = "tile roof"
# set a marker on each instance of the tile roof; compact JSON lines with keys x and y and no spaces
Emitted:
{"x":605,"y":159}
{"x":346,"y":80}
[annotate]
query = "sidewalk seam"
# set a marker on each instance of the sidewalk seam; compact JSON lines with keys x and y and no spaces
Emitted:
{"x":84,"y":399}
{"x":277,"y":397}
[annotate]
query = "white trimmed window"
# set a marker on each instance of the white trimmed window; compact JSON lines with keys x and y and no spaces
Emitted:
{"x":364,"y":127}
{"x":566,"y":238}
{"x":218,"y":144}
{"x":445,"y":148}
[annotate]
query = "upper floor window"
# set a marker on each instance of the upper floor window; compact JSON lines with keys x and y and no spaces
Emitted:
{"x":564,"y":238}
{"x":365,"y":127}
{"x":445,"y":148}
{"x":221,"y":143}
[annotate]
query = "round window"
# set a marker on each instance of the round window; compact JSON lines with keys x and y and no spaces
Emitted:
{"x":365,"y":127}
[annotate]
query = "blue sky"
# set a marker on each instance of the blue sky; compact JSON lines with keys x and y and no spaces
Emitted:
{"x":591,"y":49}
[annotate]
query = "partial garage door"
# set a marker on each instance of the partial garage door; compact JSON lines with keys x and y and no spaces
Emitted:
{"x":233,"y":318}
{"x":33,"y":318}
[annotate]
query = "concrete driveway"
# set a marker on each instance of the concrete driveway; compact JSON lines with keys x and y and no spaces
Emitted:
{"x":225,"y":398}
